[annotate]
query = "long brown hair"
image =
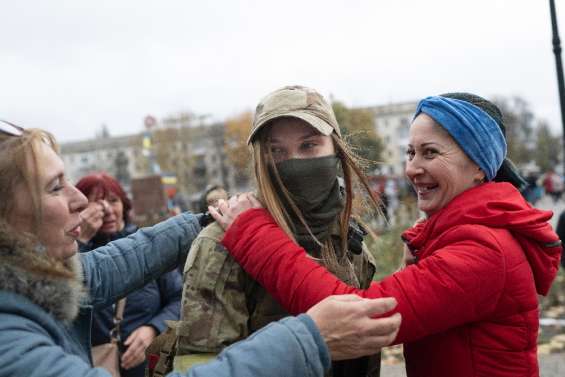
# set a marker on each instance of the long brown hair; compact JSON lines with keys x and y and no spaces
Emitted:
{"x":352,"y":175}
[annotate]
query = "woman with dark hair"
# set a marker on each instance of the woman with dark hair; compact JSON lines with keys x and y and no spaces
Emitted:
{"x":481,"y":256}
{"x":107,"y":218}
{"x":210,"y":197}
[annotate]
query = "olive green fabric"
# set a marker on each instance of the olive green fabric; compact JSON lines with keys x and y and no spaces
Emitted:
{"x":221,"y":304}
{"x":314,"y":188}
{"x":183,"y":363}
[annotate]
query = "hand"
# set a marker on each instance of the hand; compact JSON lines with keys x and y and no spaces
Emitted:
{"x":347,"y":327}
{"x":92,"y":218}
{"x":137,"y":342}
{"x":227,"y":211}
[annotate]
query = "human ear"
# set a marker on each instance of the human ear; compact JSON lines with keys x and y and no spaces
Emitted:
{"x":479,"y":176}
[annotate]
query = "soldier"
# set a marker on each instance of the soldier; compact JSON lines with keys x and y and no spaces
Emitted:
{"x":298,"y":154}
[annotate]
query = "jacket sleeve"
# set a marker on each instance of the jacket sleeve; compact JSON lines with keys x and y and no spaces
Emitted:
{"x":170,"y":291}
{"x":28,"y":350}
{"x":458,"y":284}
{"x":287,"y":348}
{"x":214,"y":311}
{"x":114,"y":270}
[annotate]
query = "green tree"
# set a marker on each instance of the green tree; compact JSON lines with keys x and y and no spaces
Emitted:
{"x":235,"y":145}
{"x":358,"y":128}
{"x":548,"y":147}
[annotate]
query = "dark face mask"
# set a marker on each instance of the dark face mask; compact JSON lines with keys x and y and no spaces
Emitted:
{"x":314,"y":188}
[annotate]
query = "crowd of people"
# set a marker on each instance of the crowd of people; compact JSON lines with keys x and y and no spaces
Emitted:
{"x":281,"y":283}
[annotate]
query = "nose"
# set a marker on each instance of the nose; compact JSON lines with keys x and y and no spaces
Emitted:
{"x":413,"y":168}
{"x":78,"y":201}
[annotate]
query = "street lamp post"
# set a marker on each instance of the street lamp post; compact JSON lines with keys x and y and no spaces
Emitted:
{"x":559,"y":67}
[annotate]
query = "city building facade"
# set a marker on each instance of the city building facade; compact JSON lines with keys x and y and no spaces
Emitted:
{"x":392,"y":123}
{"x":191,"y":157}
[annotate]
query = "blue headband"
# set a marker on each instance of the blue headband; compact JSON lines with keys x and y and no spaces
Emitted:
{"x":474,"y":130}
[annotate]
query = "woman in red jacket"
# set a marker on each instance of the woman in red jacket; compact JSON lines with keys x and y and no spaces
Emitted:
{"x":469,"y":302}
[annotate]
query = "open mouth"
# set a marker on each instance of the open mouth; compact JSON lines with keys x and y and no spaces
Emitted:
{"x":75,"y":232}
{"x":426,"y":189}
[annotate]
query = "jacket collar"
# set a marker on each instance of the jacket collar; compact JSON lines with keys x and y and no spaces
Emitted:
{"x":497,"y":205}
{"x":26,"y":270}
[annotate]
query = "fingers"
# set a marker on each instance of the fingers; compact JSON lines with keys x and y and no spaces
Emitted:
{"x":138,"y":341}
{"x":255,"y":203}
{"x":345,"y":298}
{"x":227,"y":211}
{"x":374,"y":307}
{"x":134,"y":353}
{"x":217,"y":216}
{"x":384,"y":326}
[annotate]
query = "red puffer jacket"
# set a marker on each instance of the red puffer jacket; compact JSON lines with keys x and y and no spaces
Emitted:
{"x":469,"y":305}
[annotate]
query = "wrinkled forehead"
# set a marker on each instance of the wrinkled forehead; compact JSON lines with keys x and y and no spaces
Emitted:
{"x":424,"y":129}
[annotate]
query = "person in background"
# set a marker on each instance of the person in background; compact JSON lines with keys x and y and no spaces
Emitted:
{"x":532,"y":191}
{"x":469,"y":300}
{"x":553,"y":185}
{"x":48,"y":291}
{"x":107,"y":218}
{"x":210,"y":197}
{"x":298,"y":158}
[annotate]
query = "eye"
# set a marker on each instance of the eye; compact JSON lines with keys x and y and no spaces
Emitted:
{"x":277,"y":151}
{"x":309,"y":145}
{"x":410,"y":154}
{"x":57,"y":185}
{"x":430,"y":152}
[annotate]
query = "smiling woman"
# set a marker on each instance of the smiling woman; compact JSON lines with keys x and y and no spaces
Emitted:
{"x":56,"y":216}
{"x":52,"y":214}
{"x":469,"y":301}
{"x":436,"y":166}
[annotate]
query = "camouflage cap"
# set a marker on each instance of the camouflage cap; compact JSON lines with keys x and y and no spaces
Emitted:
{"x":298,"y":102}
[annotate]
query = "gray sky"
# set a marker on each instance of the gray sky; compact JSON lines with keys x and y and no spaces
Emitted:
{"x":69,"y":66}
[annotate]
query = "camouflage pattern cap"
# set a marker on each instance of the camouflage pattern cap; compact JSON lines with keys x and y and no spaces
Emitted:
{"x":298,"y":102}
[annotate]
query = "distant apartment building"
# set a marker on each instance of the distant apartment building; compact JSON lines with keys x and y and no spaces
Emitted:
{"x":392,"y":123}
{"x":194,"y":156}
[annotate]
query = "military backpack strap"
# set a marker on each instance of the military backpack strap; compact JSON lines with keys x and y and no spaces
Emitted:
{"x":355,"y":237}
{"x":162,"y":350}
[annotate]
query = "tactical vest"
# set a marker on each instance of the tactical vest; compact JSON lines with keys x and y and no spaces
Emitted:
{"x":264,"y":309}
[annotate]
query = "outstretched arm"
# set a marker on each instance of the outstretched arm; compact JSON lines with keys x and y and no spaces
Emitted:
{"x":460,"y":283}
{"x":299,"y":346}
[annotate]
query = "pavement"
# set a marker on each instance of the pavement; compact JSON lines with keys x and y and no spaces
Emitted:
{"x":551,"y":365}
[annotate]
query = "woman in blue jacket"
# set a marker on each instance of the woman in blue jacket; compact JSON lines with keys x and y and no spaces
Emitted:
{"x":107,"y":218}
{"x":48,"y":291}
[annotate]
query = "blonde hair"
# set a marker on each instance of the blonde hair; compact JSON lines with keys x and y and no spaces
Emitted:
{"x":19,"y":165}
{"x":352,"y":175}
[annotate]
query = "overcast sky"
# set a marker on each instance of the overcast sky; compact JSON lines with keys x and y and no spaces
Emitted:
{"x":70,"y":66}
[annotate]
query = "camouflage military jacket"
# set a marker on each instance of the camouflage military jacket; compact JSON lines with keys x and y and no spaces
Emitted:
{"x":221,"y":304}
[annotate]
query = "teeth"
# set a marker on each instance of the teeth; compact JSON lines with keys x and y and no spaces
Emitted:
{"x":424,"y":189}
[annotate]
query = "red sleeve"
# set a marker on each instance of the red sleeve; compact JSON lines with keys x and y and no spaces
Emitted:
{"x":459,"y":284}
